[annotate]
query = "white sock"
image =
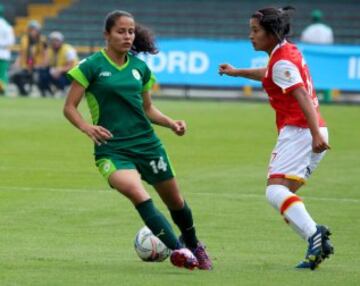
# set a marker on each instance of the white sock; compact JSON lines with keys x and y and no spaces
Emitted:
{"x":292,"y":208}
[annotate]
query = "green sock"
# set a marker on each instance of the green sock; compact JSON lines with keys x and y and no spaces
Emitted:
{"x":157,"y":223}
{"x":183,"y":219}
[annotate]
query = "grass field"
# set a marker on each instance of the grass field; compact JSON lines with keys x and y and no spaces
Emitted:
{"x":61,"y":225}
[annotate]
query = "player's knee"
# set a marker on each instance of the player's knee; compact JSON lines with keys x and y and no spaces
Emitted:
{"x":275,"y":194}
{"x":132,"y":190}
{"x":270,"y":194}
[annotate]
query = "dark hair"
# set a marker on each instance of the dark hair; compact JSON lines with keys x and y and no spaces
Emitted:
{"x":144,"y":38}
{"x":275,"y":21}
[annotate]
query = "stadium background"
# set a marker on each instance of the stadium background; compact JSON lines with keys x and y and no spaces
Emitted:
{"x":61,"y":225}
{"x":195,"y":36}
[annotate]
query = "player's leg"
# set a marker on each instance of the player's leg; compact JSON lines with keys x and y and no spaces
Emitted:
{"x":128,"y":182}
{"x":322,"y":231}
{"x":290,"y":165}
{"x":287,"y":169}
{"x":296,"y":215}
{"x":180,"y":212}
{"x":182,"y":216}
{"x":156,"y":169}
{"x":280,"y":194}
{"x":123,"y":177}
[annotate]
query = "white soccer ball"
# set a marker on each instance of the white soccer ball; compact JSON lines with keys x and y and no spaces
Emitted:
{"x":149,"y":247}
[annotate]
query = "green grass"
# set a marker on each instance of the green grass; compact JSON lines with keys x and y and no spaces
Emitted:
{"x":61,"y":225}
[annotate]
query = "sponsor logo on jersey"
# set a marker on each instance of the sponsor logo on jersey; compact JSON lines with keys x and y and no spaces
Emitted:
{"x":136,"y":74}
{"x":105,"y":74}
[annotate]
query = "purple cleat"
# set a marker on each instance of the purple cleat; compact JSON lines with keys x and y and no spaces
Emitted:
{"x":203,"y":258}
{"x":183,"y":257}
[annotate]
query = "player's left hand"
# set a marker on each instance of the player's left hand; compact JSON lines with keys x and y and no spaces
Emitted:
{"x":179,"y":127}
{"x":319,"y":144}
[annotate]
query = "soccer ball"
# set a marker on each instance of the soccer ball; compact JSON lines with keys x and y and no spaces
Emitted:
{"x":149,"y":247}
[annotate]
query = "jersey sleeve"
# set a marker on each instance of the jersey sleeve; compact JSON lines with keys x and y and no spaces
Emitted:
{"x":148,"y":80}
{"x":82,"y":73}
{"x":286,"y":75}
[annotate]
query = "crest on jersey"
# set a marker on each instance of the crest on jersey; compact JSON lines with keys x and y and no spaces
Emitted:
{"x":287,"y":75}
{"x":106,"y":167}
{"x":136,"y":74}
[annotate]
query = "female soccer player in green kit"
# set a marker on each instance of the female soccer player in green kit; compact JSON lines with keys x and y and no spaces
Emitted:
{"x":117,"y":87}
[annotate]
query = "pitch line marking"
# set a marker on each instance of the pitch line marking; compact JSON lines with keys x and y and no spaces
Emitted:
{"x":224,"y":195}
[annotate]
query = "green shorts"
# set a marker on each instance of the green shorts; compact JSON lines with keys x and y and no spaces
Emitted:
{"x":154,"y":166}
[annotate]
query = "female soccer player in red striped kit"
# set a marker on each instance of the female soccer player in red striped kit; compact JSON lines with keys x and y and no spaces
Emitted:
{"x":303,"y":136}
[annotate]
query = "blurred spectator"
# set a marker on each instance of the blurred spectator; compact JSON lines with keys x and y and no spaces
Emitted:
{"x":7,"y":39}
{"x":317,"y":32}
{"x":61,"y":57}
{"x":30,"y":63}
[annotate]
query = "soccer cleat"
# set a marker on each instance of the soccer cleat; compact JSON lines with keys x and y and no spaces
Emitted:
{"x":203,"y":258}
{"x":319,"y":249}
{"x":305,"y":264}
{"x":183,"y":257}
{"x":328,"y":248}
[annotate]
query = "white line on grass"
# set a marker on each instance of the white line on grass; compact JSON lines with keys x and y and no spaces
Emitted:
{"x":257,"y":196}
{"x":28,"y":189}
{"x":223,"y":195}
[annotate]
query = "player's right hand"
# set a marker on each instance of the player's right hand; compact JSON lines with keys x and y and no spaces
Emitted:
{"x":97,"y":133}
{"x":226,"y":69}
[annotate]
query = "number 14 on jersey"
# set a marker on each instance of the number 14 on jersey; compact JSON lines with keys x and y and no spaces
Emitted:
{"x":158,"y":166}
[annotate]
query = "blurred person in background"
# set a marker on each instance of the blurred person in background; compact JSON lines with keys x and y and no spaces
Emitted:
{"x":302,"y":133}
{"x":30,"y":63}
{"x":61,"y":57}
{"x":7,"y":39}
{"x":317,"y":32}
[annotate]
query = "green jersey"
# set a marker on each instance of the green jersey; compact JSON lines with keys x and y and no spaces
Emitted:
{"x":114,"y":97}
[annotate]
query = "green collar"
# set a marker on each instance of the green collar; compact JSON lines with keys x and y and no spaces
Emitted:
{"x":115,"y":65}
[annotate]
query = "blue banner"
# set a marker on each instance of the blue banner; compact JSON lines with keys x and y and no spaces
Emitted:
{"x":194,"y":62}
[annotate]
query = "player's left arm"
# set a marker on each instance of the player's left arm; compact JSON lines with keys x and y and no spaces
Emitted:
{"x":158,"y":118}
{"x":287,"y":76}
{"x":319,"y":144}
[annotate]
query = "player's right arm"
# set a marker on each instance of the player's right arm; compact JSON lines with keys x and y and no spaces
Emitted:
{"x":254,"y":74}
{"x":97,"y":133}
